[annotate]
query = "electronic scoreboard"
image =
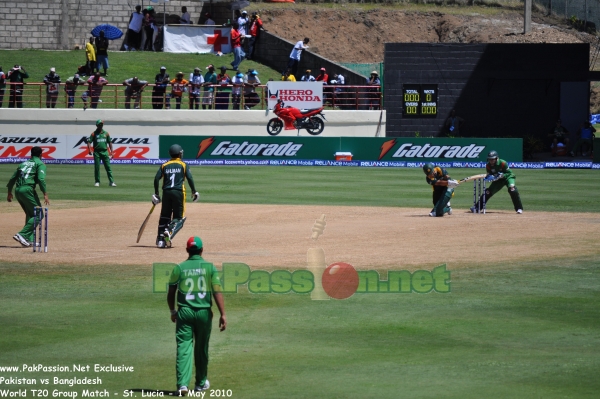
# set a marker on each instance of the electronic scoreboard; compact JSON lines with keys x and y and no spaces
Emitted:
{"x":419,"y":101}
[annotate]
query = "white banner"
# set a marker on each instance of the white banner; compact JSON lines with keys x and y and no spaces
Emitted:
{"x":75,"y":147}
{"x":197,"y":39}
{"x":302,"y":95}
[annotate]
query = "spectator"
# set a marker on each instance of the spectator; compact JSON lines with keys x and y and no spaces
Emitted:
{"x":16,"y":77}
{"x":90,"y":56}
{"x":2,"y":86}
{"x":337,"y":93}
{"x":161,"y":80}
{"x":324,"y":77}
{"x":586,"y":135}
{"x":185,"y":17}
{"x":134,"y":36}
{"x":287,"y":76}
{"x":178,"y":87}
{"x":210,"y":79}
{"x":52,"y":81}
{"x":373,"y":96}
{"x":560,"y":137}
{"x":222,"y":98}
{"x":251,"y":82}
{"x":307,"y":77}
{"x":236,"y":43}
{"x":134,"y":89}
{"x":149,"y":28}
{"x":196,"y":80}
{"x":208,"y":20}
{"x":95,"y":85}
{"x":102,"y":53}
{"x":453,"y":124}
{"x":236,"y":92}
{"x":242,"y":20}
{"x":256,"y":26}
{"x":71,"y":87}
{"x":296,"y":53}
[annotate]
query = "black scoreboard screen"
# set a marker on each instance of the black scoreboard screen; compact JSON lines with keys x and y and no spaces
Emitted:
{"x":420,"y":101}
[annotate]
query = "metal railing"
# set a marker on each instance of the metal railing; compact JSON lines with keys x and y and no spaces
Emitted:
{"x":34,"y":95}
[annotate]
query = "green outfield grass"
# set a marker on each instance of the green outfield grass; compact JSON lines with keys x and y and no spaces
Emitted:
{"x":506,"y":330}
{"x":541,"y":190}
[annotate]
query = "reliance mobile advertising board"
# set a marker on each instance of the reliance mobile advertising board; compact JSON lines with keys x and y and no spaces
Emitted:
{"x":58,"y":148}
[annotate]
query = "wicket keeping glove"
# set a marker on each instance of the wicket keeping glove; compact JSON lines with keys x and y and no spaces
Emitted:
{"x":196,"y":196}
{"x":155,"y":199}
{"x":489,"y":178}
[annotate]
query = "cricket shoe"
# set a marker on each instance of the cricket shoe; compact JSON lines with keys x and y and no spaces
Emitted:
{"x":19,"y":238}
{"x":168,"y":235}
{"x":432,"y":214}
{"x":113,"y":184}
{"x":519,"y":211}
{"x":183,"y":391}
{"x":200,"y":388}
{"x":97,"y":184}
{"x":449,"y":210}
{"x":474,"y":210}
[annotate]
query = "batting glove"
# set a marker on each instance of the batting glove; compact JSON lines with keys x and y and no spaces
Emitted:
{"x":155,"y":199}
{"x":196,"y":196}
{"x":452,"y":183}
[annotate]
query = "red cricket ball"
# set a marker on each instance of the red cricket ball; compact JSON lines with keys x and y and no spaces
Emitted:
{"x":340,"y":280}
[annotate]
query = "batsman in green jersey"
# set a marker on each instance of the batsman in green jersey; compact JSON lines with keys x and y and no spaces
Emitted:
{"x":500,"y":175}
{"x":172,"y":213}
{"x":100,"y":142}
{"x":195,"y":282}
{"x":443,"y":189}
{"x":26,"y":177}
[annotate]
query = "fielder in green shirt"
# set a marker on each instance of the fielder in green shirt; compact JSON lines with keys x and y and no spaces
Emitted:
{"x":193,"y":284}
{"x":500,"y":175}
{"x":100,"y":142}
{"x":26,"y":177}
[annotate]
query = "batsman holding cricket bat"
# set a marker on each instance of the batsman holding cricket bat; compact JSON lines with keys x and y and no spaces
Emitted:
{"x":443,"y":189}
{"x":500,"y":175}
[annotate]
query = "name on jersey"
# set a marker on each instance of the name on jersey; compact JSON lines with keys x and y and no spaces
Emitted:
{"x":289,"y":149}
{"x":194,"y":272}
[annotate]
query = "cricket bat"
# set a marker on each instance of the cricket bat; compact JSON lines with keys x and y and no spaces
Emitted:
{"x":471,"y":178}
{"x":144,"y":224}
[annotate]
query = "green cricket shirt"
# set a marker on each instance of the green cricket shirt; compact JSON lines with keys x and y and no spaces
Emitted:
{"x":174,"y":173}
{"x":99,"y":141}
{"x":196,"y":280}
{"x":29,"y":173}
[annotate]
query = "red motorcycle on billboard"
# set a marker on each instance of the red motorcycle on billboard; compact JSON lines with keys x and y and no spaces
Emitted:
{"x":292,"y":118}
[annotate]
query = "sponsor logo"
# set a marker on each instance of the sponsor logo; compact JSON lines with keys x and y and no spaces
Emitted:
{"x":408,"y":150}
{"x":124,"y":148}
{"x":204,"y":145}
{"x":228,"y":148}
{"x":297,"y":95}
{"x":28,"y":140}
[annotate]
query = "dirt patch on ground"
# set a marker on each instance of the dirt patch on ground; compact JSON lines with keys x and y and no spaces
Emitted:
{"x":358,"y":36}
{"x":271,"y":236}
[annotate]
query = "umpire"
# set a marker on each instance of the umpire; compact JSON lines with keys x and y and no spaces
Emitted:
{"x":172,"y":214}
{"x":194,"y":314}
